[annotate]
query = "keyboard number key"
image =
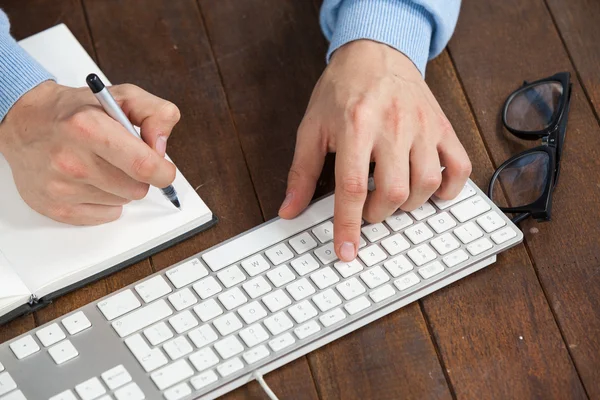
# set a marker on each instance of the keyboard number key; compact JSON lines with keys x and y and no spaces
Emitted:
{"x":468,"y":232}
{"x":491,"y":222}
{"x":374,"y":277}
{"x":302,"y":311}
{"x":445,"y":243}
{"x":351,"y":288}
{"x":398,"y":220}
{"x":278,"y":323}
{"x":422,"y":255}
{"x":253,"y":335}
{"x":398,"y":266}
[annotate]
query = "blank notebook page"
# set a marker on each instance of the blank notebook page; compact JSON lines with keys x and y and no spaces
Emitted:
{"x":49,"y":255}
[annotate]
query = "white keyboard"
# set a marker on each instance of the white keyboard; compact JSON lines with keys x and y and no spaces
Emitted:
{"x":252,"y":304}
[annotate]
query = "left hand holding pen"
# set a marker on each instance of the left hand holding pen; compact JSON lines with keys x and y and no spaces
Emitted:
{"x":74,"y":163}
{"x":372,"y":104}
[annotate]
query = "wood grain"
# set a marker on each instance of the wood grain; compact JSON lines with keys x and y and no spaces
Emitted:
{"x":494,"y":51}
{"x":577,"y":21}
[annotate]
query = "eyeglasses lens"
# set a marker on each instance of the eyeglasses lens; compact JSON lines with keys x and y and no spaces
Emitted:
{"x":523,"y":180}
{"x":532,"y":108}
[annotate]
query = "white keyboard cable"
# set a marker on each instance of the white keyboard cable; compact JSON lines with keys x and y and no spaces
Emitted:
{"x":259,"y":378}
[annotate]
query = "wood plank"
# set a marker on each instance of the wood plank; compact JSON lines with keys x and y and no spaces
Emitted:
{"x":578,"y":26}
{"x":16,"y":327}
{"x":494,"y":51}
{"x":497,"y":322}
{"x":269,"y":65}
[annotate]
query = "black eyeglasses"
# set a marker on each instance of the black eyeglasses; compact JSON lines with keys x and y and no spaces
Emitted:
{"x":538,"y":110}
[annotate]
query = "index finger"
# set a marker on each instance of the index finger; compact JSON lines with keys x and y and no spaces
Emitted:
{"x":351,"y":177}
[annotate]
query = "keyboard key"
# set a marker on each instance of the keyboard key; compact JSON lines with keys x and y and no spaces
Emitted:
{"x":142,"y":318}
{"x":326,"y":254}
{"x":324,"y":232}
{"x":361,"y":242}
{"x":231,"y":276}
{"x":178,"y":347}
{"x":445,"y":244}
{"x":150,"y":359}
{"x":382,"y":293}
{"x":332,"y":317}
{"x":230,"y":367}
{"x":326,"y":300}
{"x":227,"y":324}
{"x":254,"y":335}
{"x":233,"y":298}
{"x":465,"y":193}
{"x":130,"y":392}
{"x":306,"y":330}
{"x":357,"y":305}
{"x":76,"y":323}
{"x":418,"y":233}
{"x":350,"y":288}
{"x":426,"y":210}
{"x":304,"y":264}
{"x":172,"y":374}
{"x":374,"y":277}
{"x":422,"y":255}
{"x":455,"y":258}
{"x":203,"y":336}
{"x":182,"y":299}
{"x":375,"y":232}
{"x":7,"y":383}
{"x":1,"y":367}
{"x":503,"y":235}
{"x":395,"y":244}
{"x":183,"y":321}
{"x":283,"y":341}
{"x":479,"y":246}
{"x":186,"y":273}
{"x":119,"y":304}
{"x":468,"y":232}
{"x":116,"y":377}
{"x":300,"y":289}
{"x":324,"y":278}
{"x":431,"y":270}
{"x":50,"y":335}
{"x":66,"y":395}
{"x":24,"y":347}
{"x":229,"y":347}
{"x":252,"y":312}
{"x":153,"y":288}
{"x":278,"y":323}
{"x":90,"y":389}
{"x":208,"y":310}
{"x":257,"y":287}
{"x":302,"y":311}
{"x":207,"y":287}
{"x":178,"y":392}
{"x":348,"y":269}
{"x":303,"y":243}
{"x":279,"y":254}
{"x":407,"y":281}
{"x":16,"y":395}
{"x":281,"y":275}
{"x":204,"y":359}
{"x":441,"y":222}
{"x":398,"y":266}
{"x":372,"y":255}
{"x":276,"y":301}
{"x":204,"y":379}
{"x":63,"y":352}
{"x":491,"y":222}
{"x":398,"y":220}
{"x":256,"y":354}
{"x":470,"y":208}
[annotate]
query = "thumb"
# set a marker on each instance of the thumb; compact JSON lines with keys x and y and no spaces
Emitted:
{"x":155,"y":116}
{"x":304,"y":172}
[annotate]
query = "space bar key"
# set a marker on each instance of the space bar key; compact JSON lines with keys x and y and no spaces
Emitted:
{"x":268,"y":235}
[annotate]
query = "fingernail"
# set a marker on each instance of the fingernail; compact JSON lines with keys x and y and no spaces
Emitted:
{"x":347,"y":251}
{"x":161,"y":145}
{"x":286,"y":202}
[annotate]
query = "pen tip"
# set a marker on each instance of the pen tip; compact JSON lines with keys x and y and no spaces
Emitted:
{"x":176,"y":204}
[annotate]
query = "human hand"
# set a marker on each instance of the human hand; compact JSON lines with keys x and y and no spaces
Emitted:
{"x":75,"y":164}
{"x":372,"y":104}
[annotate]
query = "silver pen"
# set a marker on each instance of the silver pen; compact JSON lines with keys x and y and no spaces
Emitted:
{"x":112,"y":108}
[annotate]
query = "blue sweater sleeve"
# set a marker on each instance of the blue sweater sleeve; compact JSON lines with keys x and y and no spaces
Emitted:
{"x":418,"y":28}
{"x":19,"y":72}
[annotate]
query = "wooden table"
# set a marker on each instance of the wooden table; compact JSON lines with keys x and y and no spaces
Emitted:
{"x":242,"y":71}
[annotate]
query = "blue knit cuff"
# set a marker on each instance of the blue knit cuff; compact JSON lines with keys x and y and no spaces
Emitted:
{"x":401,"y":24}
{"x":19,"y":73}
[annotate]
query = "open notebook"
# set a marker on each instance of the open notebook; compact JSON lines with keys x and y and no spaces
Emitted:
{"x":41,"y":259}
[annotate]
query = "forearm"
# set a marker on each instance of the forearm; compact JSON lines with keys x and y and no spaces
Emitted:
{"x":418,"y":28}
{"x":19,"y":72}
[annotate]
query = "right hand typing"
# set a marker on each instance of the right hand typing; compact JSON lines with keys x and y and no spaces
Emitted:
{"x":75,"y":164}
